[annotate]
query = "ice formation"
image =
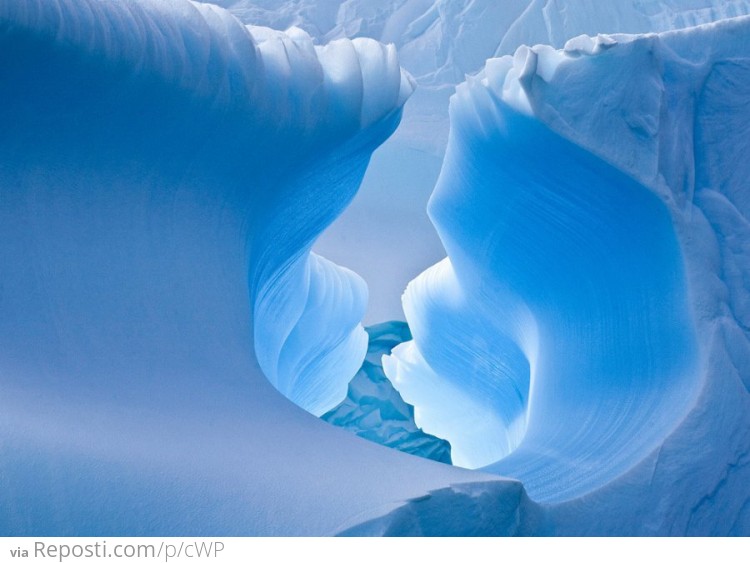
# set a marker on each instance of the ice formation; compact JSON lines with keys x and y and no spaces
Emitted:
{"x":596,"y":229}
{"x":439,"y":43}
{"x":374,"y":410}
{"x":185,"y":101}
{"x":165,"y":171}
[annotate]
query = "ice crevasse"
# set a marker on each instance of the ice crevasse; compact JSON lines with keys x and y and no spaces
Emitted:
{"x":592,"y":311}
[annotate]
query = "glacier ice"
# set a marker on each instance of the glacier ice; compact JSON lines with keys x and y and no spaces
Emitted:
{"x":591,"y":347}
{"x":215,"y":89}
{"x":374,"y":410}
{"x":586,"y":204}
{"x":165,"y":171}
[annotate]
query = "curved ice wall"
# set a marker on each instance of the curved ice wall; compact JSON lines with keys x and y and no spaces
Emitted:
{"x":592,"y":205}
{"x":276,"y":134}
{"x":307,"y":310}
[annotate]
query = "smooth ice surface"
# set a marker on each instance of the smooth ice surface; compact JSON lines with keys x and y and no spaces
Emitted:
{"x":374,"y":410}
{"x":439,"y":43}
{"x":586,"y":204}
{"x":580,"y":269}
{"x":481,"y":398}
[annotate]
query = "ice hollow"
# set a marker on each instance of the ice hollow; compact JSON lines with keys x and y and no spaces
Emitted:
{"x":567,"y":314}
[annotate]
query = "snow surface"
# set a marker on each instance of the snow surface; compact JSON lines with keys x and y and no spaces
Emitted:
{"x":385,"y":235}
{"x":593,"y":207}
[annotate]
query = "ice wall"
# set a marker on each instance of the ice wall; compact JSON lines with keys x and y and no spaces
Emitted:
{"x":592,"y":208}
{"x":218,"y":101}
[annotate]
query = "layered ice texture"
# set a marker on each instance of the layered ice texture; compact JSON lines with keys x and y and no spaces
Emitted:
{"x":375,"y":411}
{"x":439,"y":42}
{"x":593,"y":205}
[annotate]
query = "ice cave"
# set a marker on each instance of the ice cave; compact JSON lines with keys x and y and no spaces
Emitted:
{"x":346,"y":267}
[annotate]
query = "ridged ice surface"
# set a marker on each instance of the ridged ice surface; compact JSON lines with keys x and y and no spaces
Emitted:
{"x":164,"y":172}
{"x":231,"y":87}
{"x":588,"y":353}
{"x":585,"y":205}
{"x":375,"y":411}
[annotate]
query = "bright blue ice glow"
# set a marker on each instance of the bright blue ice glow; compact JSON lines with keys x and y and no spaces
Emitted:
{"x":566,"y":313}
{"x":164,"y":172}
